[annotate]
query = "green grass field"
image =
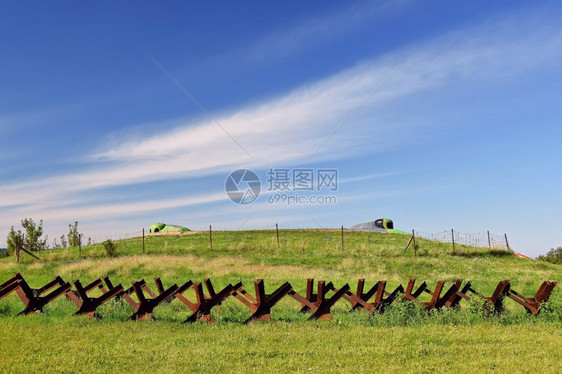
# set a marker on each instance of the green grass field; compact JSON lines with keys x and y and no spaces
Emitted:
{"x":404,"y":339}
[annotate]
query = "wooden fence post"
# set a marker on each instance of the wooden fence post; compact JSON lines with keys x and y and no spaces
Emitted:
{"x":409,"y":241}
{"x":506,"y":242}
{"x":277,"y":233}
{"x":342,"y":247}
{"x":414,"y":242}
{"x":453,"y":239}
{"x":489,"y":241}
{"x":79,"y":245}
{"x":18,"y":248}
{"x":143,"y":241}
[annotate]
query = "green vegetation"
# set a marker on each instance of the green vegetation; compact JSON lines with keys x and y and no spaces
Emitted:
{"x":110,"y":248}
{"x":30,"y":240}
{"x":405,"y":338}
{"x":554,"y":256}
{"x":74,"y":236}
{"x":79,"y":345}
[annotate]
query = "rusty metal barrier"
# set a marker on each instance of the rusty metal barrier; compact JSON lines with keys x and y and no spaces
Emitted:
{"x":532,"y":305}
{"x":493,"y":303}
{"x":318,"y":303}
{"x":201,"y":308}
{"x":261,"y":305}
{"x":144,"y":306}
{"x":360,"y":300}
{"x":9,"y":286}
{"x":32,"y":297}
{"x":87,"y":305}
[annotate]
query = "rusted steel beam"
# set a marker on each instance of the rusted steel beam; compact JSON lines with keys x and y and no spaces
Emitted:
{"x":32,"y":297}
{"x":179,"y":294}
{"x":360,"y":300}
{"x":144,"y":306}
{"x":87,"y":305}
{"x":309,"y":303}
{"x":11,"y":280}
{"x":10,"y":285}
{"x":450,"y":298}
{"x":390,"y":297}
{"x":310,"y":295}
{"x":409,"y":292}
{"x":261,"y":305}
{"x":494,"y":303}
{"x":109,"y":284}
{"x":497,"y":297}
{"x":160,"y":290}
{"x":532,"y":305}
{"x":323,"y":304}
{"x":449,"y":295}
{"x":306,"y":302}
{"x":6,"y":290}
{"x":147,"y":289}
{"x":461,"y":294}
{"x":435,"y":295}
{"x":202,"y":307}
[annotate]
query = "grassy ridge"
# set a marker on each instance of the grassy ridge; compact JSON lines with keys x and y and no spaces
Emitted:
{"x":246,"y":255}
{"x":405,"y":338}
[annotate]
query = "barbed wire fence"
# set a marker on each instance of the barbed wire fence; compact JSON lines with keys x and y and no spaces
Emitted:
{"x":96,"y":239}
{"x":145,"y":242}
{"x":481,"y":239}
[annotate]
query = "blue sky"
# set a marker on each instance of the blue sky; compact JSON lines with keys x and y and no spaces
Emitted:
{"x":448,"y":114}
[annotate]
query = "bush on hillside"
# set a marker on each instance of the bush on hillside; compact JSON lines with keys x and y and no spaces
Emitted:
{"x":554,"y":256}
{"x":110,"y":248}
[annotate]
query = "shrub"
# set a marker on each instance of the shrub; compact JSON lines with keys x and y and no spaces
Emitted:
{"x":73,"y":235}
{"x":34,"y":232}
{"x":110,"y":248}
{"x":15,"y":241}
{"x":554,"y":256}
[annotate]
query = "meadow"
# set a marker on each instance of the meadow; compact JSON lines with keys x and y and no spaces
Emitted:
{"x":404,"y":339}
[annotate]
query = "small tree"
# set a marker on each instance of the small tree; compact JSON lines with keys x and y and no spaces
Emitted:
{"x":110,"y":248}
{"x":15,"y":242}
{"x":73,"y":235}
{"x":33,"y":234}
{"x":29,"y":241}
{"x":63,"y":243}
{"x":554,"y":256}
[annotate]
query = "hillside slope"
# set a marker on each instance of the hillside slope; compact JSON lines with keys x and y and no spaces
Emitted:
{"x":403,"y":339}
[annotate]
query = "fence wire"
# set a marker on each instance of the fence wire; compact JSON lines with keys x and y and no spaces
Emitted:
{"x":472,"y":239}
{"x":481,"y":239}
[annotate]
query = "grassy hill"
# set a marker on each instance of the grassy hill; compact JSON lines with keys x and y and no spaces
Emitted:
{"x":403,"y":339}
